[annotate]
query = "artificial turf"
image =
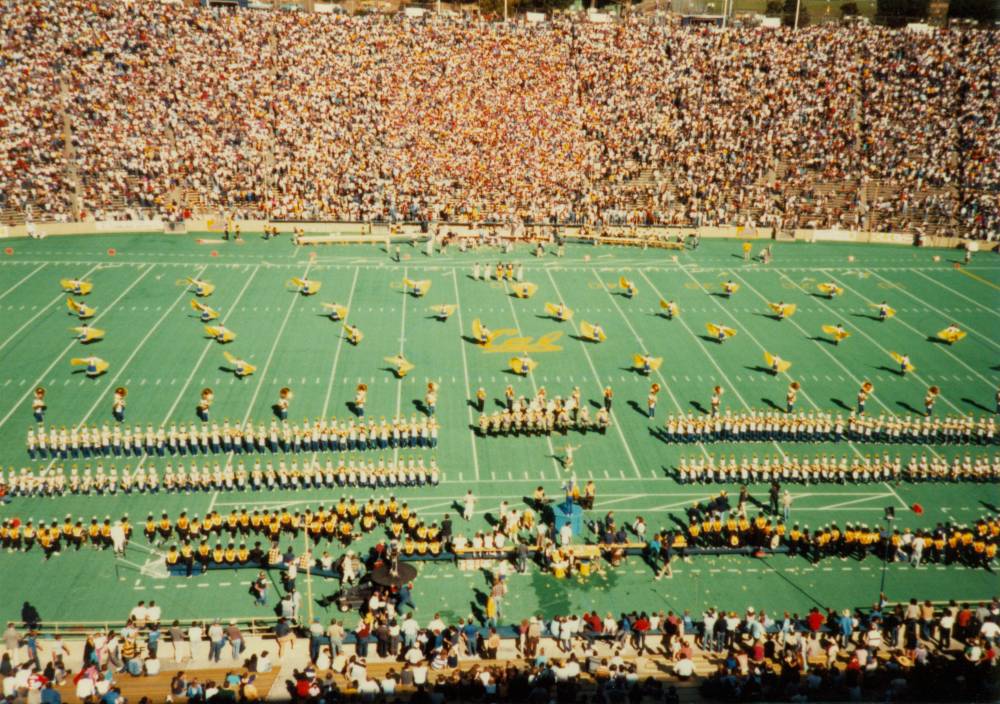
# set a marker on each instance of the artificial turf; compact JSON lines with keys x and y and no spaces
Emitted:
{"x":156,"y":347}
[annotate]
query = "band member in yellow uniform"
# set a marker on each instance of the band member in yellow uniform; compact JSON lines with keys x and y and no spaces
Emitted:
{"x":884,"y":311}
{"x":77,"y":287}
{"x":837,"y":332}
{"x":201,"y":288}
{"x":400,"y":365}
{"x":951,"y":334}
{"x":830,"y":290}
{"x":782,"y":310}
{"x":95,"y":365}
{"x":720,"y":333}
{"x":791,"y":397}
{"x":220,"y":333}
{"x":360,"y":399}
{"x":285,"y":396}
{"x":80,"y":310}
{"x":670,"y":309}
{"x":335,"y":311}
{"x":444,"y":311}
{"x":930,"y":399}
{"x":205,"y":403}
{"x":775,"y":364}
{"x":903,"y":360}
{"x":592,"y":331}
{"x":241,"y":367}
{"x":628,"y":287}
{"x":307,"y":287}
{"x":205,"y":313}
{"x":354,"y":334}
{"x":86,"y":334}
{"x":118,"y":406}
{"x":38,"y":406}
{"x":729,"y":288}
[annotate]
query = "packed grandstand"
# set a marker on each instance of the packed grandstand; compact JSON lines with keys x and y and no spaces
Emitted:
{"x":121,"y":110}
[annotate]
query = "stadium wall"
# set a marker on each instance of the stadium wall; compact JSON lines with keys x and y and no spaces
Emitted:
{"x":378,"y":232}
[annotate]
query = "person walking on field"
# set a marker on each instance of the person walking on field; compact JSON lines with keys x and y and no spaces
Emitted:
{"x":470,"y":506}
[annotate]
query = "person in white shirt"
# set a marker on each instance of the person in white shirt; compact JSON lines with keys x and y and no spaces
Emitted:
{"x":420,"y":674}
{"x":565,"y":534}
{"x":153,"y":613}
{"x":138,"y":614}
{"x":684,"y":668}
{"x":436,"y":625}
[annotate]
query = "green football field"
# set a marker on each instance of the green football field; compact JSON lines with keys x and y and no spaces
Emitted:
{"x":156,"y":347}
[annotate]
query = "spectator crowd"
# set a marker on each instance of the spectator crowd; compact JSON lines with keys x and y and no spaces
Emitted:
{"x":297,"y":116}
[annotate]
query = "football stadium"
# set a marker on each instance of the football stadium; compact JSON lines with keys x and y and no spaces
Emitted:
{"x":423,"y":354}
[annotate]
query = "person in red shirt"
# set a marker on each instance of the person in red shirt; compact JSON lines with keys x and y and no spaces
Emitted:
{"x":639,"y":629}
{"x":814,"y":621}
{"x":594,"y":622}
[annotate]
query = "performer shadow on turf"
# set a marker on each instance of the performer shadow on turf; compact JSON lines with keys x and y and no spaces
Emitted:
{"x":772,"y":405}
{"x":867,"y":316}
{"x":819,"y":338}
{"x":908,"y":407}
{"x":840,"y":404}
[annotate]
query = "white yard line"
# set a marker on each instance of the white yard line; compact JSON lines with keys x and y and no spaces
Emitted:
{"x":711,"y":358}
{"x":15,"y":286}
{"x":135,"y":350}
{"x":402,"y":344}
{"x":852,"y":502}
{"x":856,"y":380}
{"x":465,"y":369}
{"x":531,"y":376}
{"x":270,"y":355}
{"x":940,"y":312}
{"x":597,"y":380}
{"x":923,"y":336}
{"x":988,"y":309}
{"x":197,"y":364}
{"x":71,"y":345}
{"x":62,"y":296}
{"x":764,"y":349}
{"x":340,"y":345}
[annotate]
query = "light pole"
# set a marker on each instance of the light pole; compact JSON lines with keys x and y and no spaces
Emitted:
{"x":798,"y":6}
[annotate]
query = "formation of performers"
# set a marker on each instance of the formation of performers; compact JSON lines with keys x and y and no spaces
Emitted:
{"x":827,"y":468}
{"x":974,"y":546}
{"x":343,"y":522}
{"x":542,"y":414}
{"x":179,"y":439}
{"x":101,"y":481}
{"x":821,"y":426}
